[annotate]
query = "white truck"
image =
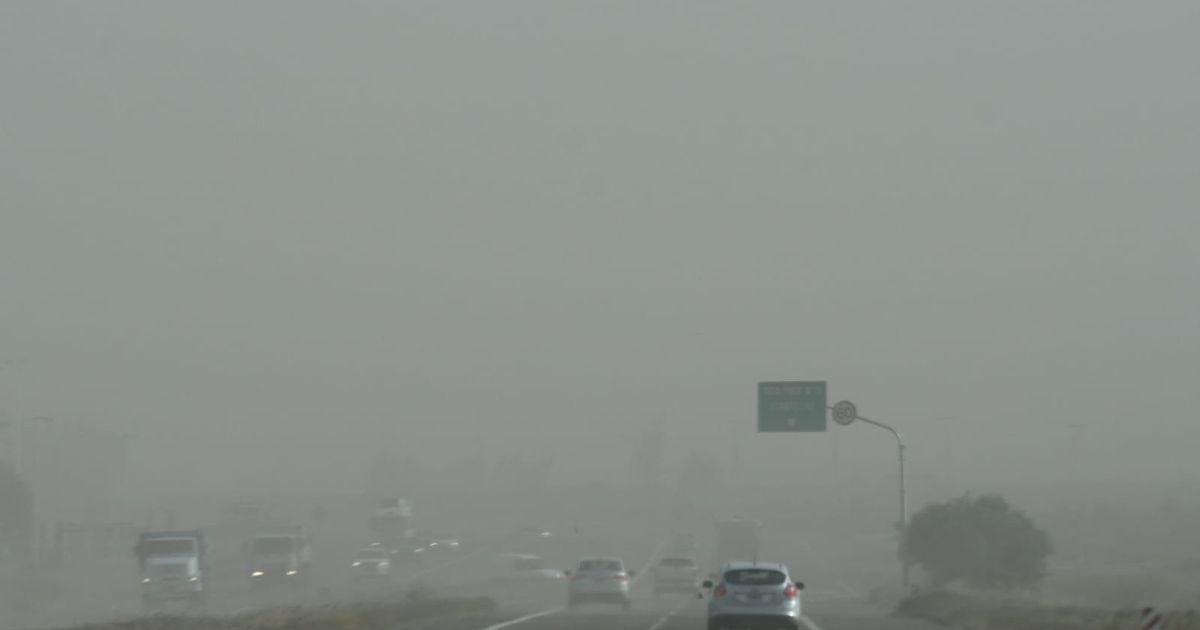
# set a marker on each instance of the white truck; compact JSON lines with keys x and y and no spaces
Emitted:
{"x":280,"y":559}
{"x":391,"y":521}
{"x":173,"y":566}
{"x":391,"y":525}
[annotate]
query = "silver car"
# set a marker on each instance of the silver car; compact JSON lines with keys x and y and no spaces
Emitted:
{"x":754,"y":594}
{"x":599,"y":580}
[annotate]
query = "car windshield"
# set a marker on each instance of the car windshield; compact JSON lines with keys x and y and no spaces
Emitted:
{"x":169,"y":570}
{"x":273,"y":546}
{"x":168,"y":547}
{"x":754,"y":577}
{"x":676,"y":563}
{"x":600,"y":565}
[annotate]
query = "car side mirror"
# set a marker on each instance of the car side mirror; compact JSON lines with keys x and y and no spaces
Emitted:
{"x":800,"y":585}
{"x":707,"y":584}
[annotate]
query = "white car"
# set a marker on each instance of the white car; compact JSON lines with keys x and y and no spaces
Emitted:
{"x":531,"y":567}
{"x":602,"y":580}
{"x":676,"y":575}
{"x":754,"y":594}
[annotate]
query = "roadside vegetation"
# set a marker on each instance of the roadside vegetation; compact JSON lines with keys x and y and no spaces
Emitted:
{"x":981,"y":542}
{"x":985,"y":567}
{"x":994,"y":612}
{"x":383,"y":615}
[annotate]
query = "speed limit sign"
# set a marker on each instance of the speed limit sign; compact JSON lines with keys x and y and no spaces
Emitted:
{"x":844,"y":413}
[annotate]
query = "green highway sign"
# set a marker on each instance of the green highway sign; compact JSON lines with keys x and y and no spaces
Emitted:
{"x":786,"y":406}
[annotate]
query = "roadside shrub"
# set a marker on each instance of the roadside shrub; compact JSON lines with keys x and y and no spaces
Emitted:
{"x":982,"y":541}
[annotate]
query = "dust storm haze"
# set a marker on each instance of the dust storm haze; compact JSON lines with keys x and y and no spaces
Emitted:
{"x":254,"y":245}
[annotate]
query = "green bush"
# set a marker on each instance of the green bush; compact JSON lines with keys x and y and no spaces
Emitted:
{"x":982,"y":541}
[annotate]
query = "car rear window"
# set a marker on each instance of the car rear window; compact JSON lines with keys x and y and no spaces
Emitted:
{"x":600,"y":565}
{"x":677,"y":563}
{"x":754,"y":577}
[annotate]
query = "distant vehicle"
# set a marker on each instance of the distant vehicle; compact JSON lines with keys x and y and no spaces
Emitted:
{"x":754,"y":594}
{"x":684,"y":544}
{"x":531,"y":567}
{"x":603,"y":580}
{"x":281,"y":558}
{"x":737,"y":541}
{"x":372,"y":563}
{"x":173,"y":566}
{"x":676,"y":575}
{"x":441,"y":546}
{"x":408,"y":551}
{"x":535,"y":532}
{"x":391,"y":521}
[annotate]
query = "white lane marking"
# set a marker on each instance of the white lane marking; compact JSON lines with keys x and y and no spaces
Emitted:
{"x":662,"y":621}
{"x":808,"y":623}
{"x":648,"y":563}
{"x":529,"y":617}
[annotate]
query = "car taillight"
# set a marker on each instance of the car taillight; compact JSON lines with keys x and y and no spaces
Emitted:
{"x":791,"y":592}
{"x":621,"y":577}
{"x":719,"y":591}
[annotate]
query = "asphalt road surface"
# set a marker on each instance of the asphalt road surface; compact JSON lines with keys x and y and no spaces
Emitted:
{"x":685,"y":614}
{"x":831,"y":602}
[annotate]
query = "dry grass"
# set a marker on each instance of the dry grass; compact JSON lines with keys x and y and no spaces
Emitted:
{"x":985,"y":612}
{"x":363,"y":616}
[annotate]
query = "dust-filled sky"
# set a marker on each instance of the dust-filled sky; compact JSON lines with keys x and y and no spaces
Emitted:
{"x":271,"y":238}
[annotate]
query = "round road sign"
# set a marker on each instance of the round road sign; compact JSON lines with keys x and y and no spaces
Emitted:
{"x":844,"y":413}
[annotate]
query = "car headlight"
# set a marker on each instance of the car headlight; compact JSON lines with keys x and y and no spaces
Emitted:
{"x":145,"y":580}
{"x":356,"y":564}
{"x":292,"y":572}
{"x":256,"y":574}
{"x":194,"y":578}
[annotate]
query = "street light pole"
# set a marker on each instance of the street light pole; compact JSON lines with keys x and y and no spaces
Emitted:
{"x":902,"y":524}
{"x":845,"y":413}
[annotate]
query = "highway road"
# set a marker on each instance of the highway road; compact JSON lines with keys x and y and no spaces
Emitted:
{"x":831,"y":602}
{"x":684,"y":614}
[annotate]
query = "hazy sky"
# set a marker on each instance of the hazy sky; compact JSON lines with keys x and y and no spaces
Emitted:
{"x":271,"y":237}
